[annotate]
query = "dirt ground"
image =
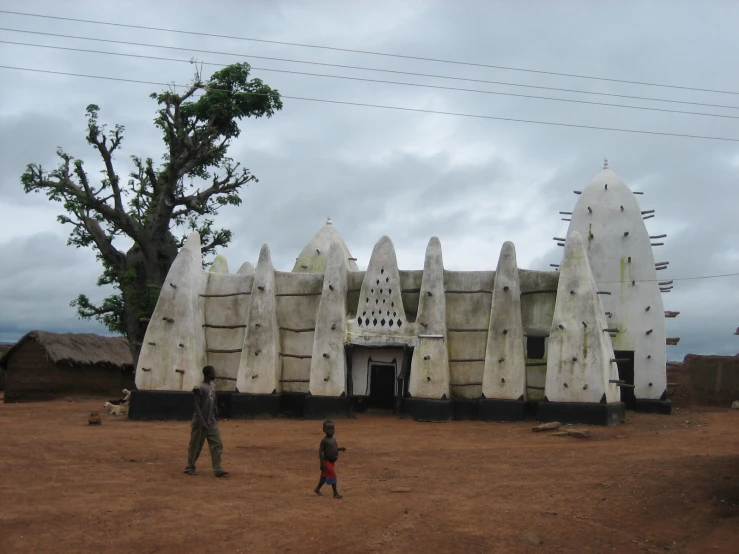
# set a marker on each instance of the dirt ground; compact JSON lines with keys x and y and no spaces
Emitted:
{"x":655,"y":484}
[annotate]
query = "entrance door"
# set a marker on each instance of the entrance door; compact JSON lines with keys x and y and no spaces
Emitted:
{"x":626,"y":374}
{"x":382,"y":386}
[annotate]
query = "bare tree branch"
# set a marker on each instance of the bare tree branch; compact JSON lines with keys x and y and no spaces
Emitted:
{"x":111,"y":254}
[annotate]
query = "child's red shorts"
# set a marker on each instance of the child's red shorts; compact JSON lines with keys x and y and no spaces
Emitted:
{"x":328,"y":475}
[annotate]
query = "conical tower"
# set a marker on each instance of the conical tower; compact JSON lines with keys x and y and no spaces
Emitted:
{"x":619,"y":247}
{"x":314,"y":257}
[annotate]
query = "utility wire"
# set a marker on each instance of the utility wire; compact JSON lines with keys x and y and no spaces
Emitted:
{"x":673,"y":278}
{"x":397,"y":108}
{"x":368,"y":52}
{"x":361,"y":68}
{"x":363,"y":79}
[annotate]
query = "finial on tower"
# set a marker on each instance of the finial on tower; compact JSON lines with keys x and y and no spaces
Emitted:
{"x":328,"y":221}
{"x":605,"y":163}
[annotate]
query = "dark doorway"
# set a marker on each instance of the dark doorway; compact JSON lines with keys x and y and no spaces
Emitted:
{"x":382,"y":386}
{"x":535,"y":348}
{"x":626,"y":373}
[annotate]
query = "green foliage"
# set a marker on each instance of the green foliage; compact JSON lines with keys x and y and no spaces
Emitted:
{"x":183,"y":193}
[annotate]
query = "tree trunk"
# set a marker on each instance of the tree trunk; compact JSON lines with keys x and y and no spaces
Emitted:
{"x":140,"y":288}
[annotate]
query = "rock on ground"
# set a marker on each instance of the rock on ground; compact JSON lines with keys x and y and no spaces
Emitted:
{"x":546,"y":426}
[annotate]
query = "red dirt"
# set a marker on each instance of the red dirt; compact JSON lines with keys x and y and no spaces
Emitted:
{"x":656,"y":483}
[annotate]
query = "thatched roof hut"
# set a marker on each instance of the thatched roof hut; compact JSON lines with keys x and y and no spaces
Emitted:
{"x":3,"y":349}
{"x":42,"y":364}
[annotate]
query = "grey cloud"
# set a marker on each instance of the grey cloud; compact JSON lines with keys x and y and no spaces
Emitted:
{"x":39,"y":277}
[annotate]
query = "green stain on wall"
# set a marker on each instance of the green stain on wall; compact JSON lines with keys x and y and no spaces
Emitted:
{"x":623,"y":269}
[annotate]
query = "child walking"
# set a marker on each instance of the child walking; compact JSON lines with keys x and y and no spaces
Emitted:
{"x":328,"y":453}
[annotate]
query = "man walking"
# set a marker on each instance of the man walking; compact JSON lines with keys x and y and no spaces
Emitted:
{"x":205,"y":425}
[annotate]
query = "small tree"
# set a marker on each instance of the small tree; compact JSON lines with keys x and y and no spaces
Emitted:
{"x":194,"y":179}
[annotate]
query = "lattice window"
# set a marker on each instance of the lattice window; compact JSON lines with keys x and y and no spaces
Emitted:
{"x":378,"y":302}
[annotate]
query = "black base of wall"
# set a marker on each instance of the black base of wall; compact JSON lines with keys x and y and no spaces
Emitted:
{"x":325,"y":407}
{"x":178,"y":405}
{"x":427,"y":409}
{"x":360,"y":404}
{"x":160,"y":405}
{"x":650,"y":406}
{"x":582,"y":412}
{"x":291,"y":403}
{"x":498,"y":409}
{"x":465,"y":408}
{"x":247,"y":406}
{"x":223,"y":398}
{"x":171,"y":405}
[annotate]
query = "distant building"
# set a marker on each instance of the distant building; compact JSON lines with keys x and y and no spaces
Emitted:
{"x":713,"y":378}
{"x":43,"y":365}
{"x":3,"y":349}
{"x":579,"y":343}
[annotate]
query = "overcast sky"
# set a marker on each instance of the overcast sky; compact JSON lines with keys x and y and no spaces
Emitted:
{"x":472,"y":182}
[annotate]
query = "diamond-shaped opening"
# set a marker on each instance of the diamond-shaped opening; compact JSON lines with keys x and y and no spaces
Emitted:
{"x":378,"y":281}
{"x":382,"y":270}
{"x":382,"y":322}
{"x":400,"y":323}
{"x":366,"y":321}
{"x":364,"y":313}
{"x":383,"y":300}
{"x":389,"y":291}
{"x":380,"y":291}
{"x":387,"y":279}
{"x":395,"y":313}
{"x":366,"y":300}
{"x":388,"y":312}
{"x":392,"y":304}
{"x":390,"y":323}
{"x":377,"y":300}
{"x":359,"y":320}
{"x":374,"y":321}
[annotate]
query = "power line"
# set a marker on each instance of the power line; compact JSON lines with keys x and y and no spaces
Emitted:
{"x":380,"y":81}
{"x":368,"y":52}
{"x":362,"y":68}
{"x":397,"y":108}
{"x":673,"y":278}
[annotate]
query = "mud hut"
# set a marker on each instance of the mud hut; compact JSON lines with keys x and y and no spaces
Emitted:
{"x":3,"y":349}
{"x":715,"y":379}
{"x":44,"y":365}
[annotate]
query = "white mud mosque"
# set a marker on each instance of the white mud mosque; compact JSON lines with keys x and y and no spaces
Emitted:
{"x":580,"y":343}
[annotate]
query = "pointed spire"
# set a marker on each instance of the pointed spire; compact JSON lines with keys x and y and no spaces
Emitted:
{"x":581,"y":370}
{"x":504,"y":374}
{"x":381,"y":307}
{"x":328,"y":361}
{"x":429,"y":377}
{"x":219,"y":265}
{"x":260,"y":367}
{"x":314,"y":256}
